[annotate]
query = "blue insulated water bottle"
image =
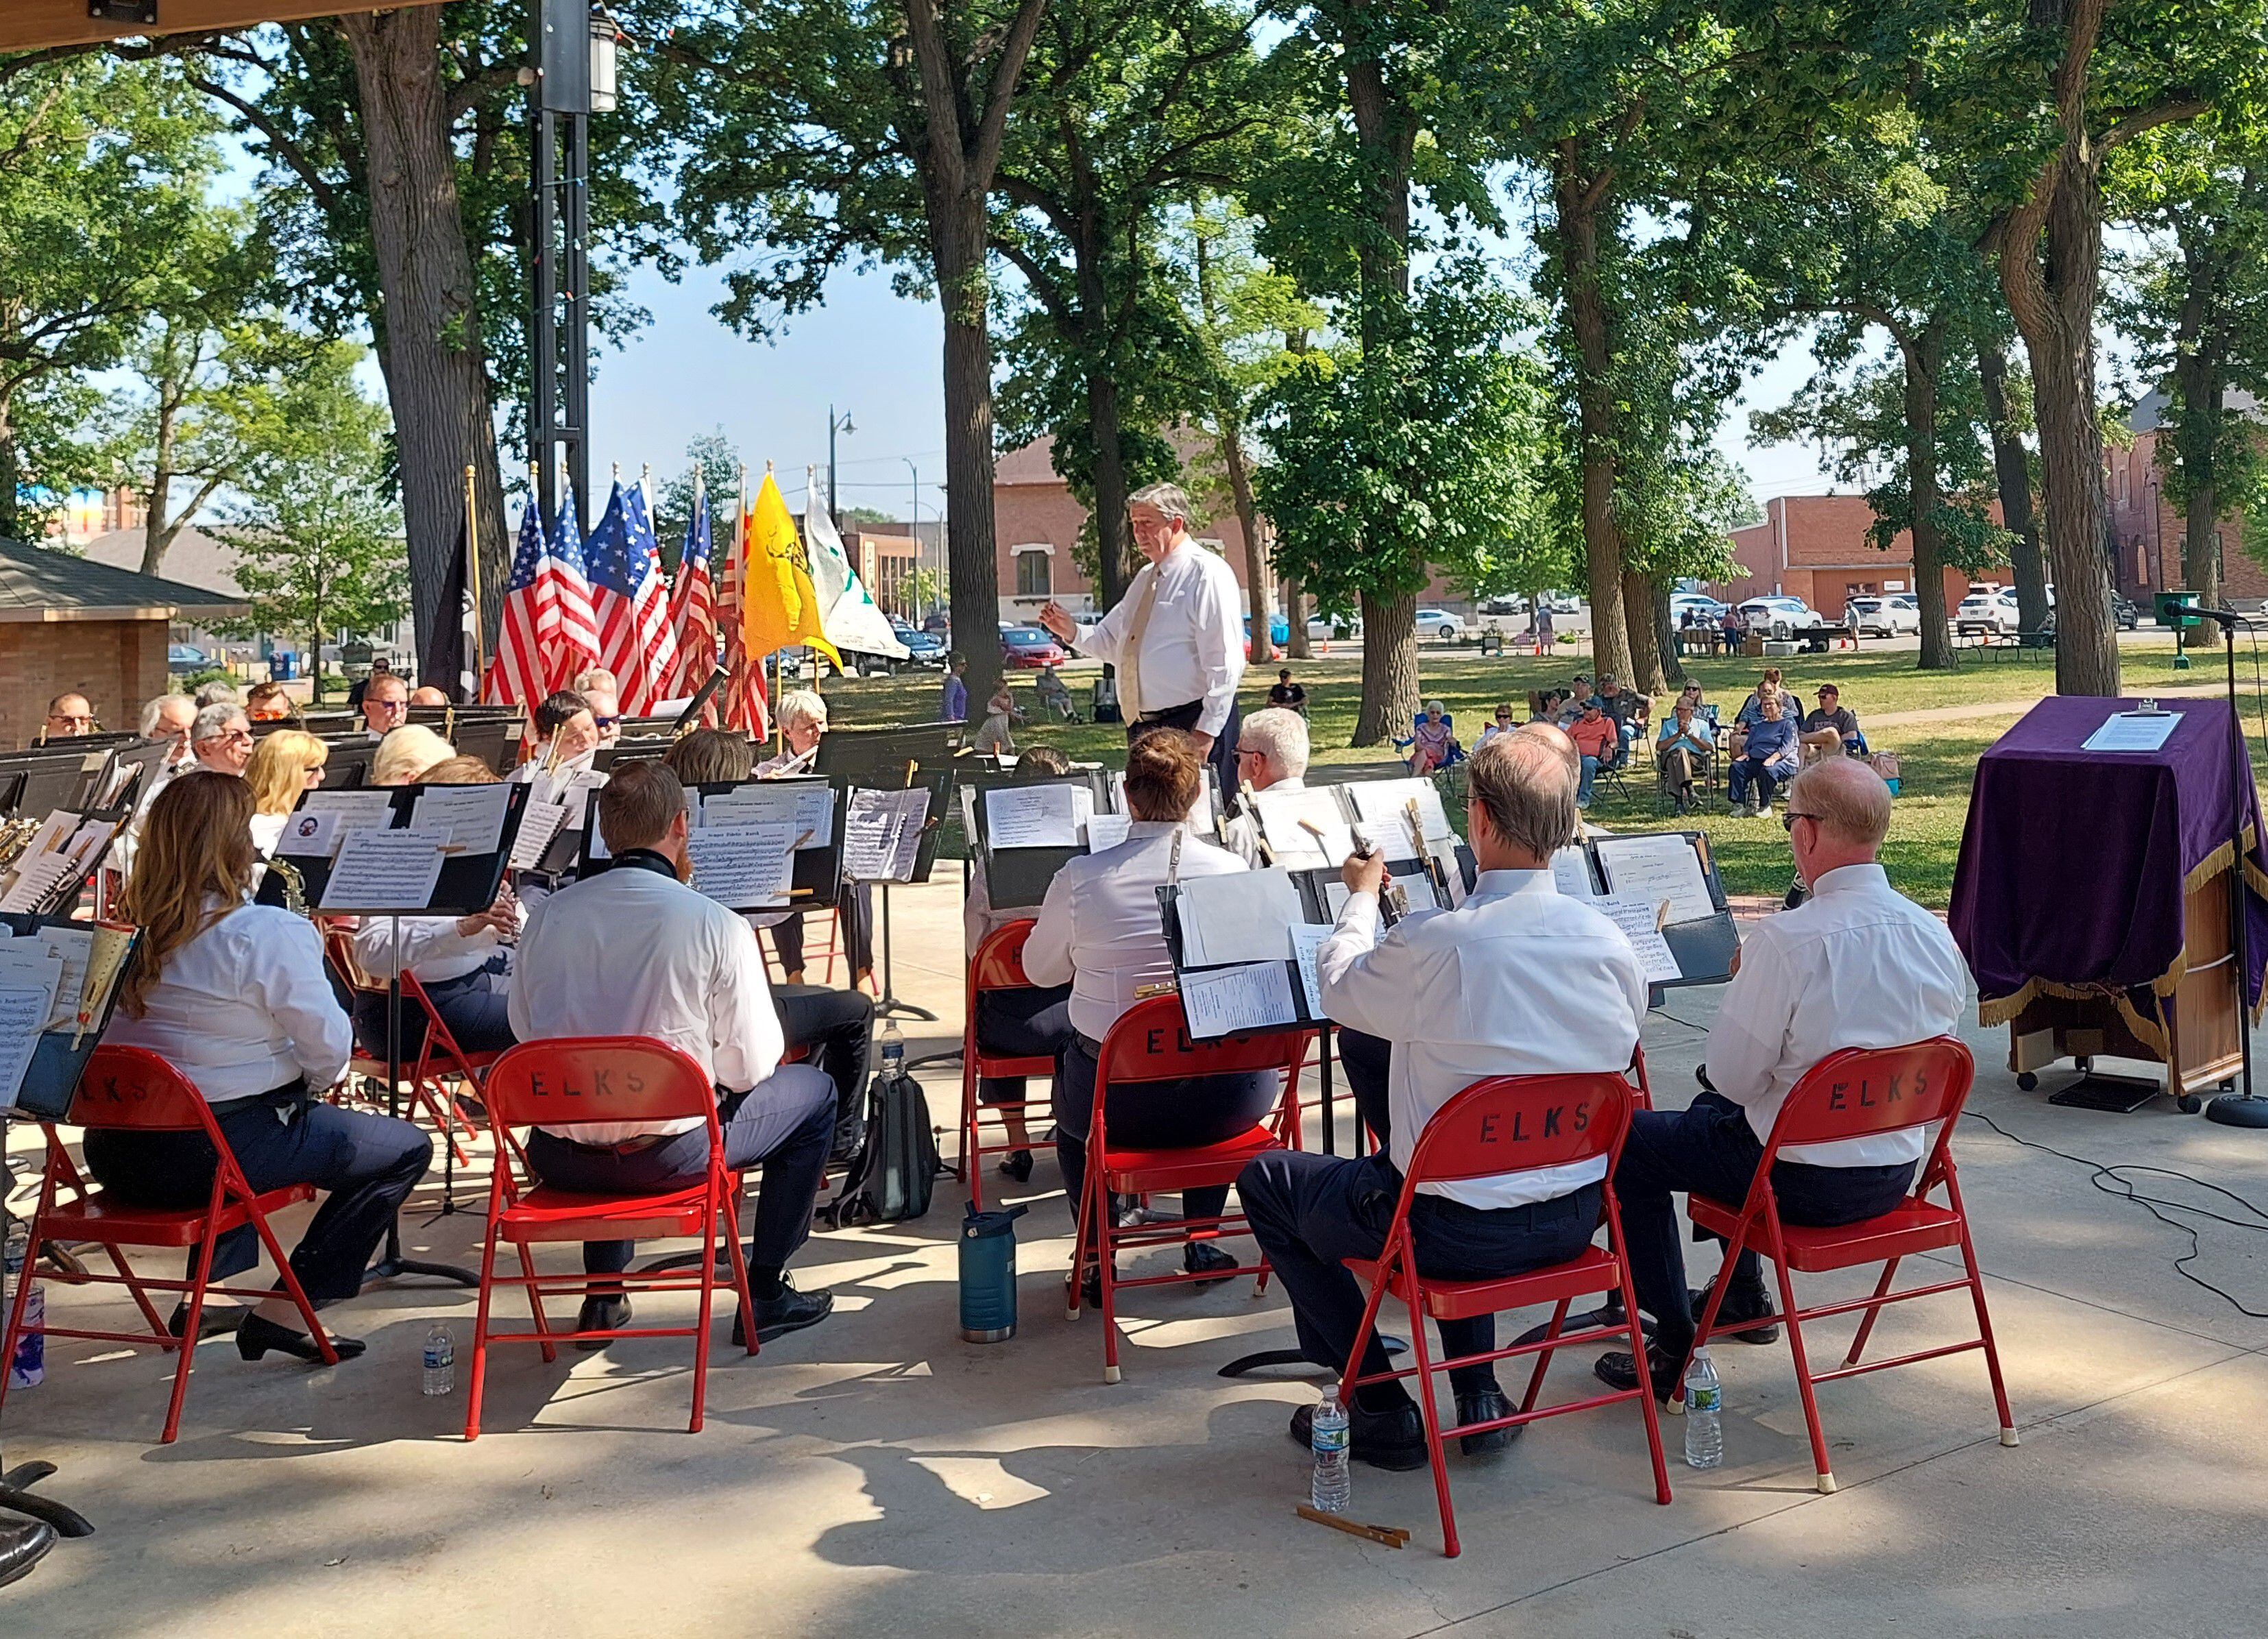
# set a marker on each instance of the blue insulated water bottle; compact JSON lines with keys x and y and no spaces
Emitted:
{"x":988,"y":1274}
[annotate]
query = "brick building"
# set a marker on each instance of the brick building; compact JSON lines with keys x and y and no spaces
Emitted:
{"x":66,"y":623}
{"x":1815,"y":547}
{"x":886,"y":563}
{"x":2147,"y":529}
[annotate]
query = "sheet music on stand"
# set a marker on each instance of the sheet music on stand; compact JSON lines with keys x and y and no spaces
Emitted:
{"x":1018,"y":875}
{"x":882,"y":834}
{"x":76,"y":967}
{"x":60,"y":859}
{"x":398,"y":850}
{"x":1662,"y":888}
{"x":1243,"y":946}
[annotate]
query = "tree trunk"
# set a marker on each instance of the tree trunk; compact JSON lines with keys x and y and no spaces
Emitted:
{"x":1665,"y":639}
{"x":1644,"y":676}
{"x":2012,"y":470}
{"x":2201,"y":557}
{"x":1256,"y":579}
{"x":1110,"y":525}
{"x":1390,"y":669}
{"x":1595,"y":437}
{"x":12,"y":521}
{"x":1295,"y":614}
{"x":972,"y":572}
{"x":1925,"y":358}
{"x":428,"y":325}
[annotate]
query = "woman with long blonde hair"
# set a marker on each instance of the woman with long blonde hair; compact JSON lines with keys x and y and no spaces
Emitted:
{"x":235,"y":996}
{"x":285,"y":764}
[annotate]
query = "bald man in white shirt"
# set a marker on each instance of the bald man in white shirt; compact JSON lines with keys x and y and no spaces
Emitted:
{"x":1858,"y":965}
{"x":1518,"y":980}
{"x":1176,"y":638}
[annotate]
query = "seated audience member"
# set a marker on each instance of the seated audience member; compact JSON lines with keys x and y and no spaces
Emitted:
{"x":267,"y":702}
{"x":221,"y":737}
{"x":1034,"y":1022}
{"x":1572,"y":701}
{"x":993,"y":739}
{"x":1271,"y":755}
{"x":1626,"y":711}
{"x":1099,"y":932}
{"x":952,"y":707}
{"x":284,"y":766}
{"x":426,"y":694}
{"x":1502,"y":724}
{"x":406,"y":753}
{"x":1597,"y":742}
{"x":236,"y":997}
{"x":566,"y":737}
{"x":634,"y":951}
{"x":836,"y":1027}
{"x":1518,"y":981}
{"x":385,"y":705}
{"x":803,"y":724}
{"x":70,"y":717}
{"x":1288,"y":694}
{"x":1770,"y":683}
{"x":1685,"y":752}
{"x":1831,"y":729}
{"x":462,"y":960}
{"x":1857,"y":965}
{"x":1767,"y":756}
{"x":1055,"y":694}
{"x":1433,"y":744}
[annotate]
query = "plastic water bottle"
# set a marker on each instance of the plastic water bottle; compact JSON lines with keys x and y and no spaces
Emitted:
{"x":1331,"y":1486}
{"x":29,"y":1368}
{"x":1705,"y":1400}
{"x":441,"y":1361}
{"x":893,"y":1051}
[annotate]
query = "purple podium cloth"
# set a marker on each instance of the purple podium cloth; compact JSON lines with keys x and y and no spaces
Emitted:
{"x":2074,"y":863}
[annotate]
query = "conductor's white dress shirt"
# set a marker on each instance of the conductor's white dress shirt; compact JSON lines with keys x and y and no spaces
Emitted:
{"x":1518,"y":980}
{"x":632,"y":952}
{"x":243,"y":1008}
{"x":1100,"y":929}
{"x":1193,"y":646}
{"x":1240,"y":832}
{"x":1859,"y":965}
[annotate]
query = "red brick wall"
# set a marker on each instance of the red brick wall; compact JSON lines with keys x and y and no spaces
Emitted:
{"x":2147,"y":530}
{"x":117,"y":664}
{"x":1827,"y":554}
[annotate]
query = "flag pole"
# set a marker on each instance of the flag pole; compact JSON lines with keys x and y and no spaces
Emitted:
{"x":473,"y":574}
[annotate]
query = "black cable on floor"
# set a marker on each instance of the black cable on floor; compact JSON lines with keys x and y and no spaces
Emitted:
{"x":2121,"y":1187}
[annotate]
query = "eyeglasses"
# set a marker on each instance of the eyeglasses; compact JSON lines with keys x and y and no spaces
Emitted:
{"x":387,"y":706}
{"x":1789,"y":816}
{"x":67,"y":717}
{"x":605,"y":722}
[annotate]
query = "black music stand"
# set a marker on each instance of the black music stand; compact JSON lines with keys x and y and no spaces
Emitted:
{"x":894,"y":759}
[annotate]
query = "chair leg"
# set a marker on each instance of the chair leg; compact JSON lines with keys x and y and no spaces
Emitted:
{"x":710,"y":1219}
{"x":481,"y":1327}
{"x":284,"y":1274}
{"x":1984,"y":1331}
{"x":1436,"y":1452}
{"x":740,"y":1259}
{"x":1803,"y":1384}
{"x":1544,"y":1360}
{"x":535,"y":1302}
{"x":970,"y":1163}
{"x":1078,"y":1250}
{"x":1645,"y":1380}
{"x":1866,"y":1321}
{"x":187,"y":1352}
{"x":13,"y":1333}
{"x":1707,"y":1324}
{"x":1105,"y":1229}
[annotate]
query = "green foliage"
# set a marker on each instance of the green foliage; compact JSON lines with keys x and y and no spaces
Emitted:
{"x":717,"y":459}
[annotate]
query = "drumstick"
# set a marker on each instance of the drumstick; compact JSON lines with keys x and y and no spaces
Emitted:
{"x":1389,"y":1535}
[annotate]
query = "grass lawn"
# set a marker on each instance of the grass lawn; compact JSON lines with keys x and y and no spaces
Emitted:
{"x":1938,"y":759}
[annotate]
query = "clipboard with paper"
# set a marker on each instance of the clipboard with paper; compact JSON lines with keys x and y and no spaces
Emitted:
{"x":67,"y":974}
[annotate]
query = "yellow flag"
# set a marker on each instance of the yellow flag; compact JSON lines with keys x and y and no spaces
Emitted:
{"x":780,"y":609}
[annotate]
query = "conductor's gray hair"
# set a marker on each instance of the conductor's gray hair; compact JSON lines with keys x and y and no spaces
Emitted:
{"x":215,"y":721}
{"x":1280,"y":737}
{"x":1526,"y":788}
{"x":1170,"y":500}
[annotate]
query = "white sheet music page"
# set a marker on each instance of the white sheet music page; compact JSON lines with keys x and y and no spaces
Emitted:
{"x":1661,"y":868}
{"x":1035,"y":816}
{"x":1571,"y":873}
{"x":472,"y":815}
{"x":1106,"y":830}
{"x":881,"y":834}
{"x":808,"y":809}
{"x":539,"y":823}
{"x":385,"y":871}
{"x":1241,"y":917}
{"x":1308,"y":939}
{"x":1635,"y":918}
{"x":1383,"y":800}
{"x":1280,"y":814}
{"x":745,"y":867}
{"x":1228,"y":999}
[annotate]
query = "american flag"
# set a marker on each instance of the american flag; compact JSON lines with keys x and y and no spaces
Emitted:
{"x":547,"y":633}
{"x":743,"y":695}
{"x":693,"y":608}
{"x":629,"y":602}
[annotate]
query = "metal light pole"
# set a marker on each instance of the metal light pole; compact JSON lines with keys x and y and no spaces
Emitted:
{"x":913,"y":524}
{"x":833,"y":427}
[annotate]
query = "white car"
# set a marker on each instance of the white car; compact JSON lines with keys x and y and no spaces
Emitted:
{"x":1334,"y":628}
{"x":1875,"y":615}
{"x":1783,"y":617}
{"x":1439,"y":622}
{"x":1991,"y":614}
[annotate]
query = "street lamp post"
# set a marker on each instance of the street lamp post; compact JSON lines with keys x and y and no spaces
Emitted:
{"x":833,"y":427}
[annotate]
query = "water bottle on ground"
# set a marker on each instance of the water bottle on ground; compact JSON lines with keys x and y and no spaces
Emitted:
{"x":441,"y":1361}
{"x":1331,"y":1486}
{"x":1705,"y":1400}
{"x":893,"y":1051}
{"x":29,"y":1368}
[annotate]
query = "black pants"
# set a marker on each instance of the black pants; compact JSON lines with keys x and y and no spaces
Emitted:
{"x":367,"y":1164}
{"x":1309,"y":1212}
{"x":837,"y":1027}
{"x":1156,"y":1115}
{"x":1710,"y":1150}
{"x":1029,"y":1024}
{"x":855,"y":913}
{"x":785,"y":1121}
{"x":1223,"y":755}
{"x":1367,"y":1059}
{"x":475,"y":1005}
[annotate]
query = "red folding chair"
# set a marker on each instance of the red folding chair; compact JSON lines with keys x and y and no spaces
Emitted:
{"x":830,"y":950}
{"x":998,"y":964}
{"x":127,"y":1088}
{"x":1151,"y":1042}
{"x":1509,"y":1124}
{"x":574,"y":1081}
{"x":1850,"y":1094}
{"x":425,"y":1077}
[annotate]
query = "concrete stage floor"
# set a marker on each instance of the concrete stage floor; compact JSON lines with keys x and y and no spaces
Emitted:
{"x":878,"y":1475}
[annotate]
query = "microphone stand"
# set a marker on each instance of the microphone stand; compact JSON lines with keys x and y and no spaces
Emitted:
{"x":2242,"y":1109}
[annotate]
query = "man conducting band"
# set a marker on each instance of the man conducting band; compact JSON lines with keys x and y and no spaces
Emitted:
{"x":1858,"y":965}
{"x":1176,"y":638}
{"x":635,"y":952}
{"x":1517,"y":981}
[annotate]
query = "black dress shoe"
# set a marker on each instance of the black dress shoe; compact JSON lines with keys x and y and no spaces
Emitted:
{"x":1017,"y":1165}
{"x":1393,"y":1440}
{"x":1620,"y":1370}
{"x":1480,"y":1406}
{"x":789,"y":1311}
{"x":23,"y":1544}
{"x":1197,"y":1257}
{"x":601,"y":1311}
{"x":1736,"y":1308}
{"x":256,"y":1336}
{"x":213,"y":1320}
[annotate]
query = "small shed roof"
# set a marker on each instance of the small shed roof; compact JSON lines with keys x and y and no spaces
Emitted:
{"x":40,"y":584}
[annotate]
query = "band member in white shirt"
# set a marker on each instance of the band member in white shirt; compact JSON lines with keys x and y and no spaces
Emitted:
{"x":1857,"y":965}
{"x":1271,"y":755}
{"x":803,"y":725}
{"x":1176,"y":638}
{"x":286,"y":765}
{"x":634,"y":951}
{"x":566,"y":736}
{"x":1518,"y":980}
{"x":221,"y":736}
{"x":385,"y":705}
{"x":235,"y":996}
{"x":1100,"y":930}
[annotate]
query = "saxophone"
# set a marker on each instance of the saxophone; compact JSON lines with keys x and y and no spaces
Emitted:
{"x":16,"y":835}
{"x":295,"y":885}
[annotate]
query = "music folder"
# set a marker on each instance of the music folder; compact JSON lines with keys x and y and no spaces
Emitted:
{"x":1687,"y":897}
{"x":1254,"y":993}
{"x":817,"y":878}
{"x":94,"y":960}
{"x":1017,"y":877}
{"x":470,"y":870}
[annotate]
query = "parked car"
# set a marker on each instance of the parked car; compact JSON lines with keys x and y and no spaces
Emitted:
{"x":1706,"y":609}
{"x":1783,"y":617}
{"x":1988,"y":614}
{"x":926,"y":648}
{"x":186,"y":657}
{"x":1440,"y":622}
{"x":1886,"y":616}
{"x":1335,"y":627}
{"x":1280,"y":630}
{"x":2123,"y":615}
{"x":1029,"y":648}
